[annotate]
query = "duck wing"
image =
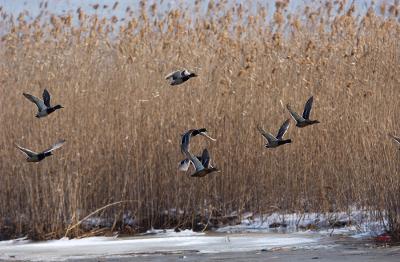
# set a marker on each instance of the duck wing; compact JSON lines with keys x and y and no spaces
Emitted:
{"x":184,"y":165}
{"x":282,"y":131}
{"x":308,"y":107}
{"x":205,"y":158}
{"x":54,"y":147}
{"x":206,"y":135}
{"x":270,"y":138}
{"x":295,"y":116}
{"x":186,"y":140}
{"x":202,"y":132}
{"x":395,"y":138}
{"x":27,"y":152}
{"x":173,"y":75}
{"x":46,"y":98}
{"x":39,"y":103}
{"x":195,"y":161}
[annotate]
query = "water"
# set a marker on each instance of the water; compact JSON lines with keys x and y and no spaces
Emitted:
{"x":169,"y":243}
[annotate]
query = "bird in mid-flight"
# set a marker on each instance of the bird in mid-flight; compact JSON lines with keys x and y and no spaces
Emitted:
{"x":32,"y":156}
{"x":44,"y":107}
{"x":180,"y":76}
{"x":304,"y":120}
{"x":278,"y":140}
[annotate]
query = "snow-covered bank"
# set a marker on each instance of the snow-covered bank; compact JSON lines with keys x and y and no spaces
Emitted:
{"x":166,"y":242}
{"x":253,"y":233}
{"x":355,"y":223}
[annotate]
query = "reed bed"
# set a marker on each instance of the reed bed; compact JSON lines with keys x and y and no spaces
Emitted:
{"x":122,"y":121}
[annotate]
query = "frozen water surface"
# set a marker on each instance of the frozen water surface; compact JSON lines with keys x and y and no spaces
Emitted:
{"x":168,"y":242}
{"x":252,"y":236}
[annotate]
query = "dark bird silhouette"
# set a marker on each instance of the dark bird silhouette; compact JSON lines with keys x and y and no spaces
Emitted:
{"x":273,"y":141}
{"x":304,"y":120}
{"x":44,"y":107}
{"x":37,"y":157}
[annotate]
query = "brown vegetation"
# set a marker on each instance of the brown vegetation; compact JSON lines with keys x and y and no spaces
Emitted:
{"x":122,"y":122}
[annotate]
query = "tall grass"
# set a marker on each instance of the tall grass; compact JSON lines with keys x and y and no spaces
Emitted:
{"x":122,"y":121}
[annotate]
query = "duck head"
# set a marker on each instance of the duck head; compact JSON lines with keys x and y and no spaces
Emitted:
{"x":48,"y":154}
{"x":195,"y":132}
{"x":199,"y":131}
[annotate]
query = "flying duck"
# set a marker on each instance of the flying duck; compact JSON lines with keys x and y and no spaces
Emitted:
{"x":44,"y":107}
{"x":180,"y":76}
{"x":37,"y":157}
{"x":302,"y":121}
{"x":202,"y":168}
{"x":395,"y":138}
{"x":278,"y":140}
{"x":191,"y":133}
{"x":204,"y":159}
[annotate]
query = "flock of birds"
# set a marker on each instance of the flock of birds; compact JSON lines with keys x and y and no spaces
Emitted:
{"x":201,"y":164}
{"x":44,"y":109}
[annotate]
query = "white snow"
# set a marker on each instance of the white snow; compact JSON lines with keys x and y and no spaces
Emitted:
{"x":172,"y":233}
{"x":358,"y":223}
{"x":17,"y":241}
{"x":169,"y":242}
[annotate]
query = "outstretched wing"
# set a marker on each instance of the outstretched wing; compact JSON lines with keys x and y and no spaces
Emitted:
{"x":39,"y":103}
{"x":307,"y":108}
{"x":26,"y":151}
{"x":270,"y":138}
{"x":195,"y":161}
{"x":46,"y":98}
{"x":184,"y":165}
{"x":395,"y":138}
{"x":173,"y":75}
{"x":282,"y":131}
{"x":206,"y":135}
{"x":295,"y":116}
{"x":186,"y":140}
{"x":205,"y":158}
{"x":54,"y":147}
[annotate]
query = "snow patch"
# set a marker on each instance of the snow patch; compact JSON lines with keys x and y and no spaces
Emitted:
{"x":172,"y":233}
{"x":355,"y":223}
{"x":17,"y":241}
{"x":169,"y":242}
